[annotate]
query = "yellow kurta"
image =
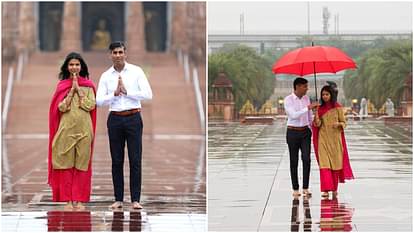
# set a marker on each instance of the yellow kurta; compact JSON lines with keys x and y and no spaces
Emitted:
{"x":330,"y":143}
{"x":71,"y":146}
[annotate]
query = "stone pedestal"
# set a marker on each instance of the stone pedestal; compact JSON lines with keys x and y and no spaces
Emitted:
{"x":71,"y":39}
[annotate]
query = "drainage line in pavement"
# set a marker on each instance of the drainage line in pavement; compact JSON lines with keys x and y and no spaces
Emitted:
{"x":270,"y":192}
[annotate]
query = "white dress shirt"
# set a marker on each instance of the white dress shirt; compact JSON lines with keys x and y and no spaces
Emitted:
{"x":135,"y":83}
{"x":297,"y":111}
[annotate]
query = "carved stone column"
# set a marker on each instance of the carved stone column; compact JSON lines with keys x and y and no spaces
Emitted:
{"x":26,"y":27}
{"x":71,"y":31}
{"x":135,"y":39}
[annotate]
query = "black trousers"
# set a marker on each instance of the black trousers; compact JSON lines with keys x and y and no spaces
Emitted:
{"x":127,"y":129}
{"x":299,"y":140}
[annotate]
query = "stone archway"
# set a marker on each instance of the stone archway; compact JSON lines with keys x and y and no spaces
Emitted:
{"x":102,"y":22}
{"x":50,"y":25}
{"x":155,"y":14}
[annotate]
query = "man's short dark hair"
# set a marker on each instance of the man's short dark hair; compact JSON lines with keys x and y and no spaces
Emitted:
{"x":117,"y":44}
{"x":299,"y":81}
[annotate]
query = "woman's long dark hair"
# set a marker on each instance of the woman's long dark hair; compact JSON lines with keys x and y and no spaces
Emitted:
{"x":331,"y":91}
{"x":64,"y":72}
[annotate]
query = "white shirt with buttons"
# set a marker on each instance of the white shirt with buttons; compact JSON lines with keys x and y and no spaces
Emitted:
{"x":135,"y":83}
{"x":297,"y":111}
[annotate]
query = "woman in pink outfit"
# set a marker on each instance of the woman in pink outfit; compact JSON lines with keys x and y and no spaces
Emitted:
{"x":329,"y":143}
{"x":72,"y":123}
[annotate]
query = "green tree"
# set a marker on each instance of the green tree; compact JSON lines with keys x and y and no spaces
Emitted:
{"x":381,"y":73}
{"x":249,"y":72}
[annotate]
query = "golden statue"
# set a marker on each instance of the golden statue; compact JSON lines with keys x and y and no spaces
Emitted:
{"x":101,"y":37}
{"x":371,"y":107}
{"x":266,"y":108}
{"x":247,"y":109}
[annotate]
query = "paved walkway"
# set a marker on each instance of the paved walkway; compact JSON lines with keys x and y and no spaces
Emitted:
{"x":250,"y":190}
{"x":174,"y":177}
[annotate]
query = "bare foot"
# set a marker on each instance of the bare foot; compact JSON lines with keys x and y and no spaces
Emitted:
{"x":136,"y":205}
{"x":306,"y":192}
{"x":68,"y":206}
{"x":296,"y":193}
{"x":80,"y":206}
{"x":116,"y":205}
{"x":325,"y":195}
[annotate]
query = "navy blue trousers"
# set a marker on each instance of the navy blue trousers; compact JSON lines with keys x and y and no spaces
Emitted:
{"x":299,"y":140}
{"x":127,"y":129}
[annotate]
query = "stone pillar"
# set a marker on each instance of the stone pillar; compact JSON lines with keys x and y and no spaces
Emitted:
{"x":71,"y":31}
{"x":10,"y":30}
{"x":196,"y":31}
{"x":179,"y":27}
{"x":26,"y":27}
{"x":135,"y":39}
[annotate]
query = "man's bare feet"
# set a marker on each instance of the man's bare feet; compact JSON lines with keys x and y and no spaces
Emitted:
{"x":306,"y":192}
{"x":296,"y":193}
{"x":136,"y":205}
{"x":116,"y":205}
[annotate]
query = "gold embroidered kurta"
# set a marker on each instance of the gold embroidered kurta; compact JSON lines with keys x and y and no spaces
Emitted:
{"x":71,"y":146}
{"x":330,"y":143}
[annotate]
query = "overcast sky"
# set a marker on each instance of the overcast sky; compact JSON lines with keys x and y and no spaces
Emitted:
{"x":279,"y":17}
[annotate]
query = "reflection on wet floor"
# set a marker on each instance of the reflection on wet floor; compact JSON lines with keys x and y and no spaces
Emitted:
{"x":307,"y":218}
{"x":101,"y":221}
{"x":250,"y":189}
{"x":335,"y":216}
{"x":174,"y":196}
{"x":69,"y":221}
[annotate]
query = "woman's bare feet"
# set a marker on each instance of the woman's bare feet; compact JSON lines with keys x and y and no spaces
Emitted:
{"x":68,"y":206}
{"x":80,"y":206}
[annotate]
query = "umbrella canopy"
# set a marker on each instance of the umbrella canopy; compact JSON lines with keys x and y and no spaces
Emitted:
{"x":312,"y":60}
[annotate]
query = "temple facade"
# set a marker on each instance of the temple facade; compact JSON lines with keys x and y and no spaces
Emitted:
{"x":89,"y":26}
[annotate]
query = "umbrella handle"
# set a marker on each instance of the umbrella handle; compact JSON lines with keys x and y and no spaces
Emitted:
{"x":314,"y":76}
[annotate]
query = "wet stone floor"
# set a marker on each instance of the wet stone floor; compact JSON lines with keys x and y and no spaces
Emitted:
{"x":173,"y":196}
{"x":249,"y":186}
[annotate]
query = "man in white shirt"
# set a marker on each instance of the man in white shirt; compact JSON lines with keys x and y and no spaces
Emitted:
{"x":299,"y":112}
{"x":122,"y":87}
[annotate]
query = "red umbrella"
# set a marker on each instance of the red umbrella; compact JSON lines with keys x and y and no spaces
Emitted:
{"x":313,"y":59}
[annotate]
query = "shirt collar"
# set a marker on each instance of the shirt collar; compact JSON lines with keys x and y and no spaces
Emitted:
{"x":295,"y":97}
{"x":125,"y":68}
